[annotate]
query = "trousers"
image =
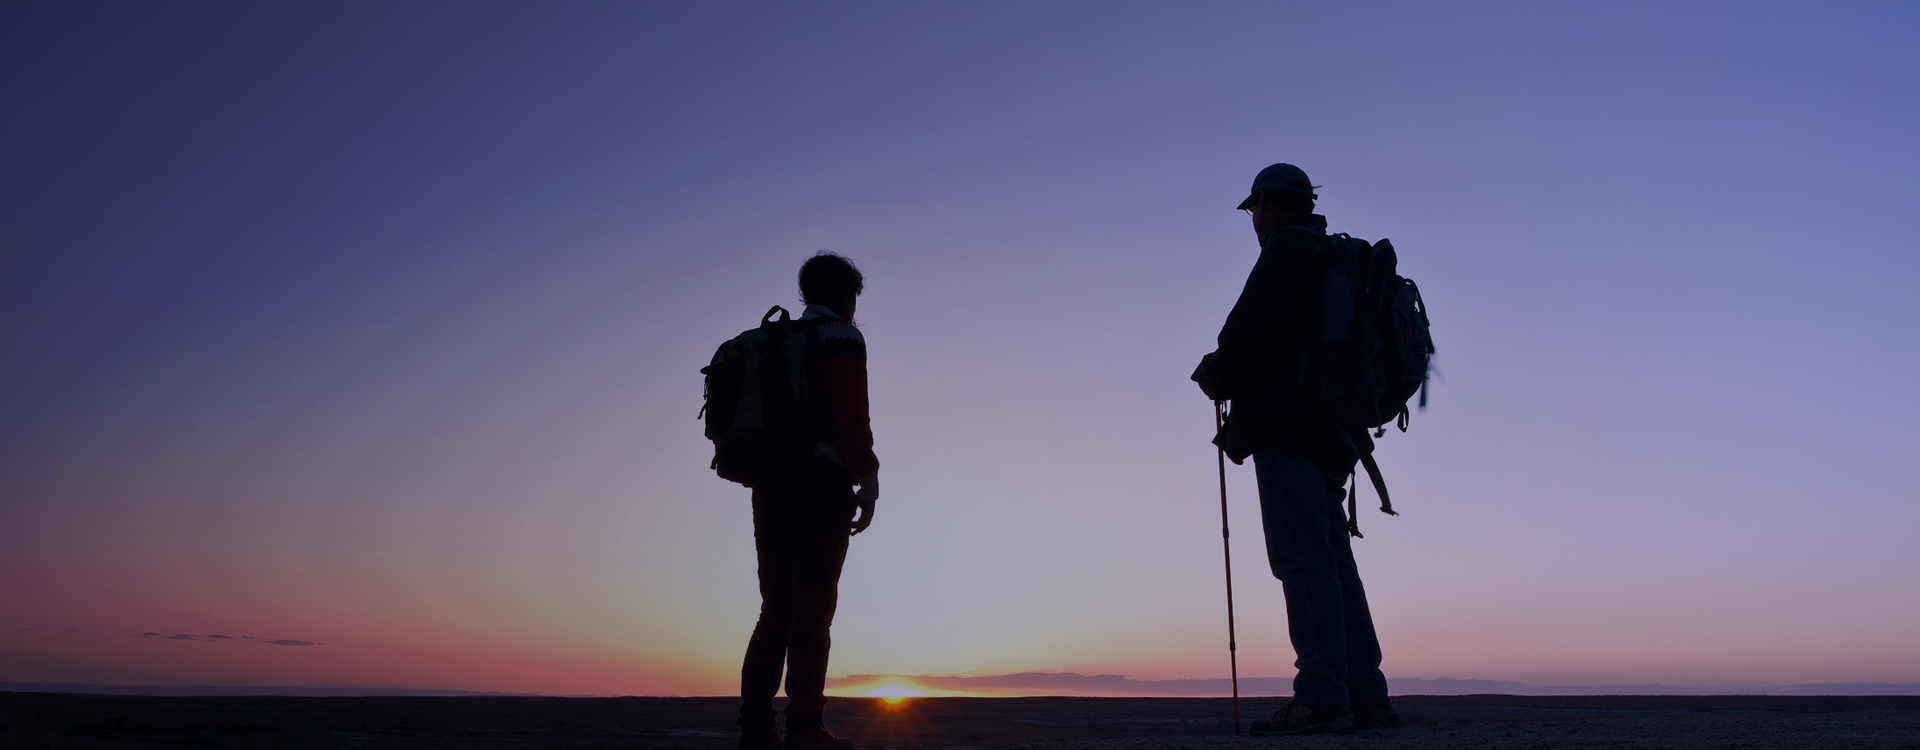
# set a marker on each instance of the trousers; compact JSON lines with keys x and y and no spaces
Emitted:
{"x":801,"y":522}
{"x":1337,"y":652}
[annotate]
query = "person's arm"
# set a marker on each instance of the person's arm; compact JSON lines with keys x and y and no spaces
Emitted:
{"x":846,"y":369}
{"x":852,"y":428}
{"x":1253,"y":326}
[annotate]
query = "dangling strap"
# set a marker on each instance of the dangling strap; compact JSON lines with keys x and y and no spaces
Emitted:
{"x":1379,"y":483}
{"x":1353,"y":508}
{"x":1373,"y":472}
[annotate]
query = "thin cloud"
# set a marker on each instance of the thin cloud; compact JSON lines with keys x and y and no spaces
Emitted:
{"x":217,"y":637}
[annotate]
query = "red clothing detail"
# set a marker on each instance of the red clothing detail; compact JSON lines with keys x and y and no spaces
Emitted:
{"x":852,"y":432}
{"x":842,"y":380}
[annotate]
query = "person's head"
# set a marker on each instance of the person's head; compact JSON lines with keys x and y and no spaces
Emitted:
{"x":829,"y":280}
{"x":1280,"y":193}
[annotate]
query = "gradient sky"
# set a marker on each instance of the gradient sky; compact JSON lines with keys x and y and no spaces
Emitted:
{"x":377,"y":327}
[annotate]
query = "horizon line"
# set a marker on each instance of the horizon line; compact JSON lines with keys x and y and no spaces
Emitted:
{"x":1021,"y":684}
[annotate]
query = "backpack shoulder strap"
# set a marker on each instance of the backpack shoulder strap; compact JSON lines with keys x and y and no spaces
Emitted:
{"x":1379,"y":483}
{"x":1373,"y":474}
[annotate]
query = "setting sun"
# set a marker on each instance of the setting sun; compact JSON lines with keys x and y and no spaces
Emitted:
{"x":894,"y":692}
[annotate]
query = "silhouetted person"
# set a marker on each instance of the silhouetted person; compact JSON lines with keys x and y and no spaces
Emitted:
{"x":1265,"y":366}
{"x":802,"y":519}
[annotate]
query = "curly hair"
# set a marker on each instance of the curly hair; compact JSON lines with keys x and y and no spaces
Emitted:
{"x":828,"y":277}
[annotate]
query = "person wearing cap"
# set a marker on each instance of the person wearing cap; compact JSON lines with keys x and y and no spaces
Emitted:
{"x":1263,"y":365}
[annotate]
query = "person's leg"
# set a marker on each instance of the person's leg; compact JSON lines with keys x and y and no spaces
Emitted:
{"x":820,"y":554}
{"x":1366,"y":684}
{"x":1299,"y":525}
{"x":760,"y":671}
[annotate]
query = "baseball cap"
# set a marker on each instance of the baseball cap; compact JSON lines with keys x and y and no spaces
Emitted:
{"x":1279,"y":177}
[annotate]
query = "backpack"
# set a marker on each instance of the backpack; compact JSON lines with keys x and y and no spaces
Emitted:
{"x":1378,"y":349}
{"x":758,"y":412}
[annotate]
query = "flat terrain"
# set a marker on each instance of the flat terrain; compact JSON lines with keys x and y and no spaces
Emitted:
{"x":36,"y":720}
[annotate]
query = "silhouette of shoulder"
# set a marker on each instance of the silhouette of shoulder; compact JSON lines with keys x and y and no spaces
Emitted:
{"x":841,"y":332}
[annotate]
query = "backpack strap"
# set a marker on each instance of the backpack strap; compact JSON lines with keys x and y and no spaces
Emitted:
{"x":1353,"y":508}
{"x":803,"y":365}
{"x":1379,"y":486}
{"x":1379,"y":483}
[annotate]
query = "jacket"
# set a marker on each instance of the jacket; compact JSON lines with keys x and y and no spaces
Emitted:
{"x":840,"y":380}
{"x":1266,"y":364}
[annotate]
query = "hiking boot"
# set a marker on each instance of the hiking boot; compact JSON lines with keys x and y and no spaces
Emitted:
{"x":817,"y":739}
{"x":760,"y":737}
{"x":1377,"y":716}
{"x":1304,"y":718}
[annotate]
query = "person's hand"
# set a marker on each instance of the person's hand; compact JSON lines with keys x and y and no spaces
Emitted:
{"x":1203,"y":377}
{"x":864,"y":499}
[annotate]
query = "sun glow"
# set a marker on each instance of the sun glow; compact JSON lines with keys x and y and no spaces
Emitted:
{"x":893,"y":692}
{"x":892,"y":688}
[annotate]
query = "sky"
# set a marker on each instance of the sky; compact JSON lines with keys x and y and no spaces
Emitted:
{"x":368,"y":336}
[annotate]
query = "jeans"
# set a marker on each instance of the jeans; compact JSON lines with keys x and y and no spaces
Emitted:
{"x":1338,"y":655}
{"x":801,"y":525}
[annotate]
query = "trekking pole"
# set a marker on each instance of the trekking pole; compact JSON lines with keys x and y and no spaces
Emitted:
{"x":1226,"y":549}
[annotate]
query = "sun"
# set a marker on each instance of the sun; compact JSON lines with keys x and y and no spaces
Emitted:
{"x":893,"y":692}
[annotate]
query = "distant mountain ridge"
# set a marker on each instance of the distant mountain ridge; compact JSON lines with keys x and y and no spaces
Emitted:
{"x":234,"y":690}
{"x":1071,"y":683}
{"x":1037,"y":683}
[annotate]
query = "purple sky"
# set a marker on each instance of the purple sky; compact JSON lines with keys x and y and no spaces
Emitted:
{"x":379,"y":327}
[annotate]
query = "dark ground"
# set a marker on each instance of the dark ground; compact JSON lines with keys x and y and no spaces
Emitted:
{"x":44,"y":720}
